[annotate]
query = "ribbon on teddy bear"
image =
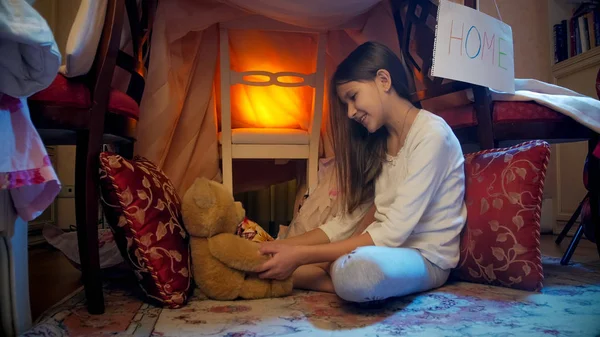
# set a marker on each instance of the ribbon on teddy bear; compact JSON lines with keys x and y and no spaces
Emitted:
{"x":252,"y":231}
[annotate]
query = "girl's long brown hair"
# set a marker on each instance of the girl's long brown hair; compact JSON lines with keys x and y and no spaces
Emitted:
{"x":359,"y":155}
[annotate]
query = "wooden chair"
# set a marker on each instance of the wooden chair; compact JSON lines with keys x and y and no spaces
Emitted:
{"x":87,"y":112}
{"x":582,"y":228}
{"x":263,"y":143}
{"x":415,"y":25}
{"x":484,"y":121}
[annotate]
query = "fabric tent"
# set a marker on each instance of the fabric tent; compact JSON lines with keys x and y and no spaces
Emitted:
{"x":177,"y":128}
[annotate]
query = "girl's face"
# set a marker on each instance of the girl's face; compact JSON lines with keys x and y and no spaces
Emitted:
{"x":365,"y":103}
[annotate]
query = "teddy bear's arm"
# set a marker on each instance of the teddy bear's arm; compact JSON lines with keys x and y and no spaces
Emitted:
{"x":254,"y":288}
{"x":236,"y":252}
{"x":214,"y":279}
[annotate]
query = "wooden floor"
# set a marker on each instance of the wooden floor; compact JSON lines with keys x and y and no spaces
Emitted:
{"x":586,"y":250}
{"x":52,"y":277}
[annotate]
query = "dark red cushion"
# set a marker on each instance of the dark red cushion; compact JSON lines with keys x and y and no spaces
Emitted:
{"x":64,"y":92}
{"x":512,"y":112}
{"x":72,"y":93}
{"x":500,"y":243}
{"x":122,"y":104}
{"x":459,"y":117}
{"x":503,"y":112}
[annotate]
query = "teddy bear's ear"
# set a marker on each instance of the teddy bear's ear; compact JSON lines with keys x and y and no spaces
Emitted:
{"x":204,"y":196}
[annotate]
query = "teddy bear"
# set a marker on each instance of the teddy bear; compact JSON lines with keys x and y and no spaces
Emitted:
{"x":224,"y":245}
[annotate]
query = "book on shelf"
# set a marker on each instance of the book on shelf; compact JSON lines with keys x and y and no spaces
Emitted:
{"x":561,"y":51}
{"x":578,"y":34}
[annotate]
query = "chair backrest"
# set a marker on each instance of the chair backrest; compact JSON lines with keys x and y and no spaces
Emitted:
{"x":415,"y":25}
{"x":109,"y":56}
{"x":101,"y":74}
{"x":598,"y":84}
{"x":141,"y":16}
{"x":416,"y":21}
{"x":229,"y":77}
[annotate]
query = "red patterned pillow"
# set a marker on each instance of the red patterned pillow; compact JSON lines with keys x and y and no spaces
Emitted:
{"x":500,"y":244}
{"x":143,"y":209}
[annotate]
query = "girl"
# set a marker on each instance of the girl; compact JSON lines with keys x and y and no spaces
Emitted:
{"x":405,"y":162}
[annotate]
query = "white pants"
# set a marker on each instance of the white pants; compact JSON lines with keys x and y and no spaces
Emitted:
{"x":376,"y":273}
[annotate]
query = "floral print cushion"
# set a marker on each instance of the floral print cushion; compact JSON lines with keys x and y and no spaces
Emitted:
{"x":143,"y":210}
{"x":500,"y":242}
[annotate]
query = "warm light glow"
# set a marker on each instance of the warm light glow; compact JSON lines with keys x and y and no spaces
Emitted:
{"x":290,"y":79}
{"x":256,"y":78}
{"x":271,"y":106}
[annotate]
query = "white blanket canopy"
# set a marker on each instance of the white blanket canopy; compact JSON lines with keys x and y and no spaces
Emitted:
{"x":177,"y":128}
{"x":308,"y":13}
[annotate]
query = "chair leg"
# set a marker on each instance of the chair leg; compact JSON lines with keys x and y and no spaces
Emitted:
{"x":594,"y":187}
{"x":227,"y":168}
{"x":595,"y":212}
{"x":572,"y":220}
{"x":483,"y":110}
{"x":572,"y":246}
{"x":301,"y":186}
{"x":126,"y":150}
{"x":312,"y":167}
{"x":86,"y":202}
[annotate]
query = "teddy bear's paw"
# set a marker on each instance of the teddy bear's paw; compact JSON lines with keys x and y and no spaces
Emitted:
{"x":199,"y":295}
{"x":255,"y":288}
{"x":281,"y":288}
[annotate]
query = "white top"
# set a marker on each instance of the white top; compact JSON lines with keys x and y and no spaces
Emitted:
{"x":419,"y":195}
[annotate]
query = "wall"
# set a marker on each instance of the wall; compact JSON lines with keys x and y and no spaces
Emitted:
{"x":533,"y":49}
{"x":47,"y":8}
{"x":60,"y":15}
{"x":65,"y":168}
{"x":529,"y":22}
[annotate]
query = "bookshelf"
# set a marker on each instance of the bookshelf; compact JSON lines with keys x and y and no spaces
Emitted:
{"x":577,"y":72}
{"x":578,"y":29}
{"x":576,"y":63}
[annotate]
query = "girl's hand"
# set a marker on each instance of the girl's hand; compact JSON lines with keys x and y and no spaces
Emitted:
{"x":285,"y":259}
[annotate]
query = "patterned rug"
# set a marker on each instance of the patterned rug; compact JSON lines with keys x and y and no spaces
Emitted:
{"x":569,"y":305}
